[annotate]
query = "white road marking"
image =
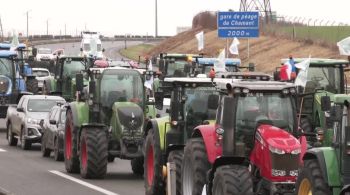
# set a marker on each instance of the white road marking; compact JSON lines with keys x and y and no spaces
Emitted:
{"x":2,"y":150}
{"x":86,"y":184}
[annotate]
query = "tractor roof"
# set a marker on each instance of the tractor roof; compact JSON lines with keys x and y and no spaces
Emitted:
{"x":178,"y":55}
{"x":244,"y":75}
{"x":254,"y":85}
{"x":7,"y":46}
{"x":185,"y":80}
{"x":319,"y":61}
{"x":74,"y":58}
{"x":7,"y":54}
{"x":211,"y":61}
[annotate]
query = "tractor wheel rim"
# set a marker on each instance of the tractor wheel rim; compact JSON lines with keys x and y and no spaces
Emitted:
{"x":187,"y":180}
{"x":83,"y":154}
{"x":150,"y":167}
{"x":305,"y":187}
{"x":68,"y":141}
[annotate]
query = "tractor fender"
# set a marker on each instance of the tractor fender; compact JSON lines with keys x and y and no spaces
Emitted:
{"x":222,"y":161}
{"x":160,"y":126}
{"x":327,"y":159}
{"x":80,"y":113}
{"x":345,"y":189}
{"x":151,"y":124}
{"x":207,"y":132}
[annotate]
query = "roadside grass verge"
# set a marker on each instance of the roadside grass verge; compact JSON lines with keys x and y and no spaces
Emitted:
{"x":133,"y":52}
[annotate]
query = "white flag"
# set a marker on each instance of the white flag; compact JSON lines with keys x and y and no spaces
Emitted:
{"x":149,"y":83}
{"x":219,"y":64}
{"x":234,"y":46}
{"x":289,"y":69}
{"x":14,"y":42}
{"x":302,"y":75}
{"x":344,"y":46}
{"x":200,"y":39}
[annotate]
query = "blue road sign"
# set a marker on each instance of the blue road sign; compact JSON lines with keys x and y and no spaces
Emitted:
{"x":238,"y":24}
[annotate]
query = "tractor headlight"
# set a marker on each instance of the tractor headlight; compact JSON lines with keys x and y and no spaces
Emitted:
{"x":276,"y":150}
{"x":285,"y":91}
{"x":236,"y":90}
{"x":297,"y":151}
{"x":292,"y":90}
{"x":33,"y":121}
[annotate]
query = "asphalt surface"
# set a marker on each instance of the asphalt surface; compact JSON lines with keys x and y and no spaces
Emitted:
{"x":28,"y":173}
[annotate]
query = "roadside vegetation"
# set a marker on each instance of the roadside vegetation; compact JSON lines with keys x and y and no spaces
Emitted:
{"x":133,"y":52}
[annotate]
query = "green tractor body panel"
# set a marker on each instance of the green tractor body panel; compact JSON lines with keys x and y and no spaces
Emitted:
{"x":341,"y":98}
{"x":163,"y":127}
{"x":150,"y":111}
{"x":81,"y":110}
{"x":117,"y":121}
{"x":332,"y":166}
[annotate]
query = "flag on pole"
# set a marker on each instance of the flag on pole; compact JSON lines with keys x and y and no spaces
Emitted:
{"x":302,"y":75}
{"x":219,"y":64}
{"x":14,"y":42}
{"x":234,"y":47}
{"x":200,"y":39}
{"x":149,"y":83}
{"x":344,"y":46}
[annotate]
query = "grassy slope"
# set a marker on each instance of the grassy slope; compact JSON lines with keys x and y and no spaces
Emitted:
{"x":134,"y":52}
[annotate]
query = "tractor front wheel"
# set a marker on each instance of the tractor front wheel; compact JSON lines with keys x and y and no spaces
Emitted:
{"x":232,"y":179}
{"x":93,"y":153}
{"x":311,"y":181}
{"x":71,"y":159}
{"x":137,"y":166}
{"x":194,"y":167}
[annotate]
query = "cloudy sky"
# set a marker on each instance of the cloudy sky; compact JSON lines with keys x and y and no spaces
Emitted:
{"x":111,"y":17}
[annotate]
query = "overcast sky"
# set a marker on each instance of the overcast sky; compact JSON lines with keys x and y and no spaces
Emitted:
{"x":110,"y":17}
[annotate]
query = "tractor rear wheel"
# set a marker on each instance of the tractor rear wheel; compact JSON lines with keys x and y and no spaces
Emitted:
{"x":311,"y":181}
{"x":232,"y":179}
{"x":152,"y":165}
{"x":194,"y":167}
{"x":71,"y":159}
{"x":176,"y":157}
{"x":137,"y":165}
{"x":93,"y":153}
{"x":32,"y":86}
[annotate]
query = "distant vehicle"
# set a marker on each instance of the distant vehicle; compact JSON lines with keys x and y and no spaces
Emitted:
{"x":58,"y":53}
{"x":41,"y":74}
{"x":23,"y":120}
{"x":53,"y":132}
{"x":91,"y":45}
{"x":44,"y":54}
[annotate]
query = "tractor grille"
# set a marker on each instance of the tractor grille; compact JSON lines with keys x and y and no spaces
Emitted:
{"x":130,"y":117}
{"x":285,"y":162}
{"x":4,"y":84}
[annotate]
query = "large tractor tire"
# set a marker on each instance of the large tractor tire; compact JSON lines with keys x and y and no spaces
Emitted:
{"x":194,"y":167}
{"x":12,"y":140}
{"x":232,"y":180}
{"x":71,"y":159}
{"x":137,"y":166}
{"x":176,"y":157}
{"x":93,"y":153}
{"x":32,"y":86}
{"x":152,"y":165}
{"x":311,"y":181}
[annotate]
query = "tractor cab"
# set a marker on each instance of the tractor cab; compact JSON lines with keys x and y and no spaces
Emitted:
{"x":245,"y":75}
{"x":204,"y":65}
{"x":175,"y":65}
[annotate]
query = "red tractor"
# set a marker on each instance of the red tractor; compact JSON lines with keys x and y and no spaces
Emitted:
{"x":251,"y":149}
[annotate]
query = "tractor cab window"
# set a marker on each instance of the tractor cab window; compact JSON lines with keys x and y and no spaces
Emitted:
{"x":70,"y":68}
{"x":256,"y":107}
{"x":41,"y":73}
{"x":176,"y":68}
{"x":121,"y":86}
{"x":6,"y":67}
{"x":327,"y":77}
{"x":196,"y":105}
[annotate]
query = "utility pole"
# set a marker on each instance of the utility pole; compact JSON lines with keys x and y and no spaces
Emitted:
{"x":47,"y":27}
{"x":2,"y":31}
{"x":27,"y":13}
{"x":65,"y":29}
{"x":156,"y":31}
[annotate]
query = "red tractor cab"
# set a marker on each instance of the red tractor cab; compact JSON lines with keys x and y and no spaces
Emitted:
{"x":252,"y":142}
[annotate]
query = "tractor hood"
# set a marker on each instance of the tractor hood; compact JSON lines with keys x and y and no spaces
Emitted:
{"x":5,"y":85}
{"x":130,"y":115}
{"x":278,"y":138}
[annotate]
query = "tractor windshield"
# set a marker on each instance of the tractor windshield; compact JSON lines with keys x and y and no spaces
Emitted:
{"x":118,"y":85}
{"x":70,"y":68}
{"x":176,"y":68}
{"x":6,"y":67}
{"x":326,"y":77}
{"x":263,"y":106}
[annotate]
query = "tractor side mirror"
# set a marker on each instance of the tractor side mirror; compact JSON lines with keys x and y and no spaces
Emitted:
{"x":187,"y":68}
{"x":325,"y":103}
{"x":159,"y":97}
{"x":162,"y":65}
{"x":34,"y":51}
{"x":79,"y":78}
{"x":53,"y":122}
{"x":336,"y":113}
{"x":92,"y":87}
{"x":213,"y":102}
{"x":81,"y":49}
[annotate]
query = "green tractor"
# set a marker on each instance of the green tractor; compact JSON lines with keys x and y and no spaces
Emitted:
{"x":327,"y":169}
{"x":63,"y":82}
{"x":106,"y":121}
{"x":325,"y":77}
{"x":191,"y":105}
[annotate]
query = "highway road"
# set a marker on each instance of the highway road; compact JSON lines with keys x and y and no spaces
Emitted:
{"x":27,"y":173}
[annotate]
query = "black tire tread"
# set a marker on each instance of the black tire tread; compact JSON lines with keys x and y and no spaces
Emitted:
{"x":233,"y":179}
{"x":71,"y":165}
{"x":176,"y":156}
{"x":137,"y":166}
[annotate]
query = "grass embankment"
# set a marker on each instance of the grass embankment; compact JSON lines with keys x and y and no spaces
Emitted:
{"x":133,"y":52}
